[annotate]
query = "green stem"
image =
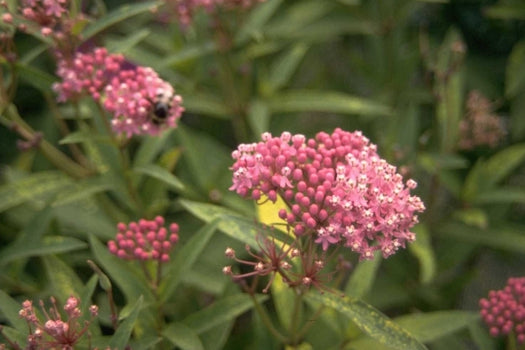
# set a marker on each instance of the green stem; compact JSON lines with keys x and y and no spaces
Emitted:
{"x":265,"y":318}
{"x":56,"y":157}
{"x":294,"y":324}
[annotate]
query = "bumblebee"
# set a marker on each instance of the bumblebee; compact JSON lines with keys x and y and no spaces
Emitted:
{"x":161,"y":107}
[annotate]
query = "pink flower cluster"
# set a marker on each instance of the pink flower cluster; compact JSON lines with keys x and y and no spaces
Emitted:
{"x":480,"y":127}
{"x":48,"y":14}
{"x":54,"y":332}
{"x":184,"y":9}
{"x":337,"y":189}
{"x":145,"y":240}
{"x":130,"y":93}
{"x":504,"y":310}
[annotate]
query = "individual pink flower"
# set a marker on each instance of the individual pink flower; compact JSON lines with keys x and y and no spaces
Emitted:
{"x":504,"y":310}
{"x":337,"y":189}
{"x":144,"y":240}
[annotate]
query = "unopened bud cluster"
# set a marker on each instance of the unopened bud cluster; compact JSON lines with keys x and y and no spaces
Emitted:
{"x":337,"y":189}
{"x":504,"y":310}
{"x":54,"y":331}
{"x":144,"y":240}
{"x":480,"y":127}
{"x":130,"y":93}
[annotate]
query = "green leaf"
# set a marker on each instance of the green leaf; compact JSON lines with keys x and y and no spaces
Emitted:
{"x":363,"y":277}
{"x":149,"y":149}
{"x":284,"y":67}
{"x":501,"y":164}
{"x":118,"y":15}
{"x":37,"y":78}
{"x":82,"y":136}
{"x":64,"y":281}
{"x":235,"y":226}
{"x":209,"y":105}
{"x":503,"y":237}
{"x":515,"y":74}
{"x":132,"y":283}
{"x":501,"y":195}
{"x":161,"y":174}
{"x":9,"y":309}
{"x":120,"y":339}
{"x":185,"y":259}
{"x":259,"y":117}
{"x":426,"y":327}
{"x":124,"y":44}
{"x":82,"y":190}
{"x":48,"y":245}
{"x":188,"y":53}
{"x":182,"y":336}
{"x":370,"y":321}
{"x":506,"y":11}
{"x":221,"y":311}
{"x":325,"y":101}
{"x":35,"y":187}
{"x":422,"y":250}
{"x":256,"y":20}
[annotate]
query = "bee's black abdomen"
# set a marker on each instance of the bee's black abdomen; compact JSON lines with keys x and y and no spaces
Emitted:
{"x":161,"y":110}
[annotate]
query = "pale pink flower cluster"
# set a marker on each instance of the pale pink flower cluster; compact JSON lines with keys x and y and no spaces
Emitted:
{"x":504,"y":310}
{"x":53,"y":332}
{"x":480,"y":127}
{"x":48,"y":14}
{"x":337,"y":189}
{"x":144,"y":240}
{"x":185,"y":9}
{"x":130,"y":93}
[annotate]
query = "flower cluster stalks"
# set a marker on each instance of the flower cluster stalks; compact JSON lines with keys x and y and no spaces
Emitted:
{"x":337,"y":192}
{"x":504,"y":310}
{"x":54,"y":331}
{"x":143,"y":241}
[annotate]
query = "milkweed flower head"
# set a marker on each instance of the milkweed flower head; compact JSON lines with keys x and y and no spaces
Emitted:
{"x":503,"y":311}
{"x":145,"y":240}
{"x":337,"y":189}
{"x":55,"y":331}
{"x":480,"y":126}
{"x":129,"y":93}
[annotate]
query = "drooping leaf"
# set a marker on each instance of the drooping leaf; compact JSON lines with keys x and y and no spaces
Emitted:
{"x":184,"y":259}
{"x":48,"y":245}
{"x":503,"y":163}
{"x":370,"y":321}
{"x":325,"y":101}
{"x":182,"y":336}
{"x":515,"y":74}
{"x":221,"y":311}
{"x":39,"y":79}
{"x":284,"y":66}
{"x":206,"y":104}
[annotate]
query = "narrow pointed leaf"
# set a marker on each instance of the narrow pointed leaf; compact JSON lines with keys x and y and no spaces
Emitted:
{"x":48,"y":245}
{"x":121,"y":337}
{"x":185,"y":259}
{"x":326,"y":101}
{"x":221,"y":311}
{"x":63,"y":279}
{"x":9,"y":309}
{"x":370,"y":321}
{"x":118,"y":15}
{"x":363,"y":277}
